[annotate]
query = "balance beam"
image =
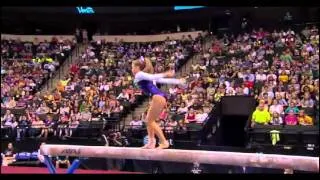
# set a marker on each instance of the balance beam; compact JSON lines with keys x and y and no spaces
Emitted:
{"x":302,"y":163}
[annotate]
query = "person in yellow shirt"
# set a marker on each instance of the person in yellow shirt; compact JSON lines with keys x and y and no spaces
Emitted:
{"x":284,"y":77}
{"x":60,"y":87}
{"x":48,"y":96}
{"x":304,"y":119}
{"x":260,"y":116}
{"x":184,"y":96}
{"x":62,"y":84}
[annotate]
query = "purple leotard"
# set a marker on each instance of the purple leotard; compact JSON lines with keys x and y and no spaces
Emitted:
{"x":146,"y":83}
{"x":151,"y":89}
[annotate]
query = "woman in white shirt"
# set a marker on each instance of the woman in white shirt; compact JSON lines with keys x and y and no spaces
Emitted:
{"x":260,"y":76}
{"x":64,"y":109}
{"x":182,"y":109}
{"x":201,"y":116}
{"x":276,"y":107}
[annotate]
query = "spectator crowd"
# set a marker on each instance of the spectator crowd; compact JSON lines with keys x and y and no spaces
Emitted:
{"x":280,"y":69}
{"x":99,"y":88}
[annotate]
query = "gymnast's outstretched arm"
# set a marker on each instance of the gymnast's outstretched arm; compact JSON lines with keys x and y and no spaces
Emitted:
{"x":171,"y":81}
{"x":149,"y":77}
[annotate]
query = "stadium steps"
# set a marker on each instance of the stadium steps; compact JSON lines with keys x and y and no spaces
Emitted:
{"x":137,"y":112}
{"x":64,"y":68}
{"x":185,"y":69}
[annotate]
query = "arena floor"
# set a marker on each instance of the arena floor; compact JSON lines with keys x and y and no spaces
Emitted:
{"x":38,"y":170}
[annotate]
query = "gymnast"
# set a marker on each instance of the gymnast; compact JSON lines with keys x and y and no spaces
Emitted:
{"x":144,"y":78}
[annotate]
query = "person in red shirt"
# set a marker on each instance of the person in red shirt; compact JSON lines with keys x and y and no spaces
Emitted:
{"x":216,"y":49}
{"x":248,"y":83}
{"x":190,"y":116}
{"x":74,"y":69}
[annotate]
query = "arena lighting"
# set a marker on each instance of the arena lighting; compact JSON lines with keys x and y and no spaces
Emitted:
{"x":176,"y":8}
{"x":85,"y":10}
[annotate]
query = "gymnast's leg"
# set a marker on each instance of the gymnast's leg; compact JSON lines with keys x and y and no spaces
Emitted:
{"x":151,"y":136}
{"x":158,"y":103}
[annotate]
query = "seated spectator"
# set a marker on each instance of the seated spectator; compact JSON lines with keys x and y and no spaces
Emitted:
{"x":64,"y":108}
{"x":164,"y":115}
{"x":276,"y":119}
{"x":201,"y":116}
{"x":171,"y":125}
{"x":43,"y":109}
{"x":36,"y":127}
{"x":291,"y":118}
{"x":86,"y":115}
{"x":292,"y":107}
{"x":276,"y":107}
{"x":54,"y":110}
{"x":281,"y":100}
{"x":49,"y":124}
{"x":8,"y":155}
{"x":182,"y":109}
{"x":136,"y":123}
{"x":123,"y":95}
{"x":304,"y":119}
{"x":48,"y":97}
{"x":8,"y":116}
{"x":306,"y":101}
{"x":284,"y":78}
{"x":260,"y":116}
{"x":10,"y":103}
{"x":160,"y":123}
{"x":190,"y":117}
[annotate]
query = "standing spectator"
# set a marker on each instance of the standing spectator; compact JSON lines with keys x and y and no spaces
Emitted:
{"x":74,"y":123}
{"x":78,"y":36}
{"x":7,"y":123}
{"x":23,"y":124}
{"x":169,"y":129}
{"x":63,"y":124}
{"x":85,"y":36}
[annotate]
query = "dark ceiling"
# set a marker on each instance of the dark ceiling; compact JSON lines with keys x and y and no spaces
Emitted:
{"x":133,"y":19}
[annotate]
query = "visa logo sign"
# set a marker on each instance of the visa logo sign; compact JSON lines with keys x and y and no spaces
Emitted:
{"x":85,"y":10}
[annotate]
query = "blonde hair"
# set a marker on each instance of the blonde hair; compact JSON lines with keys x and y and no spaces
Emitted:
{"x":139,"y":63}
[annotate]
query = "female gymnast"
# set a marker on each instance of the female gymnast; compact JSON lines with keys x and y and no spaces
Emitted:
{"x":144,"y":78}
